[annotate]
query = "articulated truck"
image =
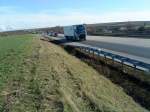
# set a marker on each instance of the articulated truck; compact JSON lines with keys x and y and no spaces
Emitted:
{"x":75,"y":32}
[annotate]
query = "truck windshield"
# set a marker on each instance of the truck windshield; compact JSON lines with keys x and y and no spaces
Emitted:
{"x":80,"y":28}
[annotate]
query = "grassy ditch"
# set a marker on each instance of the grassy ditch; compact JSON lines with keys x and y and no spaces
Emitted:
{"x":83,"y":88}
{"x":38,"y":76}
{"x":135,"y":83}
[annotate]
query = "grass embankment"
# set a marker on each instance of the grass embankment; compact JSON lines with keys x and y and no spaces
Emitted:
{"x":37,"y":76}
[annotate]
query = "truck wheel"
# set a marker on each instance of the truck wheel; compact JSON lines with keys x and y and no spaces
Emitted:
{"x":67,"y":38}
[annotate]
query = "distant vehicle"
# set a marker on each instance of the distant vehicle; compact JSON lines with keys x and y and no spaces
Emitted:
{"x":54,"y":34}
{"x":49,"y":34}
{"x":75,"y":32}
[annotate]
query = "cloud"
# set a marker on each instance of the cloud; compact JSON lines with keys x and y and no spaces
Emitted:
{"x":47,"y":19}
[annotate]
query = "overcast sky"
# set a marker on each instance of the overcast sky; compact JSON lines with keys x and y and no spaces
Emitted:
{"x":18,"y":14}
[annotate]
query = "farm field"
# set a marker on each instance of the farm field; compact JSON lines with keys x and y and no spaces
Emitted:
{"x":38,"y":76}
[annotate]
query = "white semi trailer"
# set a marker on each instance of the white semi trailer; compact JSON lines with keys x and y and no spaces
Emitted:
{"x":75,"y":32}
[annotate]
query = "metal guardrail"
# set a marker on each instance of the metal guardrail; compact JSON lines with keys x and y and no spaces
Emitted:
{"x":121,"y":59}
{"x":115,"y":57}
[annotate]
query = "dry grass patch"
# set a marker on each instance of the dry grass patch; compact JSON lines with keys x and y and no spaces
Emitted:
{"x":86,"y":89}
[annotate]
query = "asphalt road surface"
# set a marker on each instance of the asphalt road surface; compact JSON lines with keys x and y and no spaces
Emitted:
{"x":131,"y":46}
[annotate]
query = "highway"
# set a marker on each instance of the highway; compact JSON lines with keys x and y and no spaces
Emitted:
{"x":135,"y":48}
{"x":132,"y":46}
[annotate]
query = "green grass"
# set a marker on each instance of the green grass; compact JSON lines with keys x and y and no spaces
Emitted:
{"x":37,"y":76}
{"x":12,"y":51}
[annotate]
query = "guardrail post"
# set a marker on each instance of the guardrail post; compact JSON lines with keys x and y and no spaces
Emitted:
{"x":105,"y":58}
{"x":93,"y":53}
{"x":134,"y":67}
{"x":122,"y":63}
{"x":80,"y":48}
{"x":89,"y":50}
{"x":113,"y":59}
{"x":99,"y":52}
{"x":84,"y":49}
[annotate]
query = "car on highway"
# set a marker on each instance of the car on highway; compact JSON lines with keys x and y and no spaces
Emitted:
{"x":54,"y":34}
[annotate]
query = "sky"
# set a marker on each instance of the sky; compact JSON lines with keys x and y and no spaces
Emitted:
{"x":24,"y":14}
